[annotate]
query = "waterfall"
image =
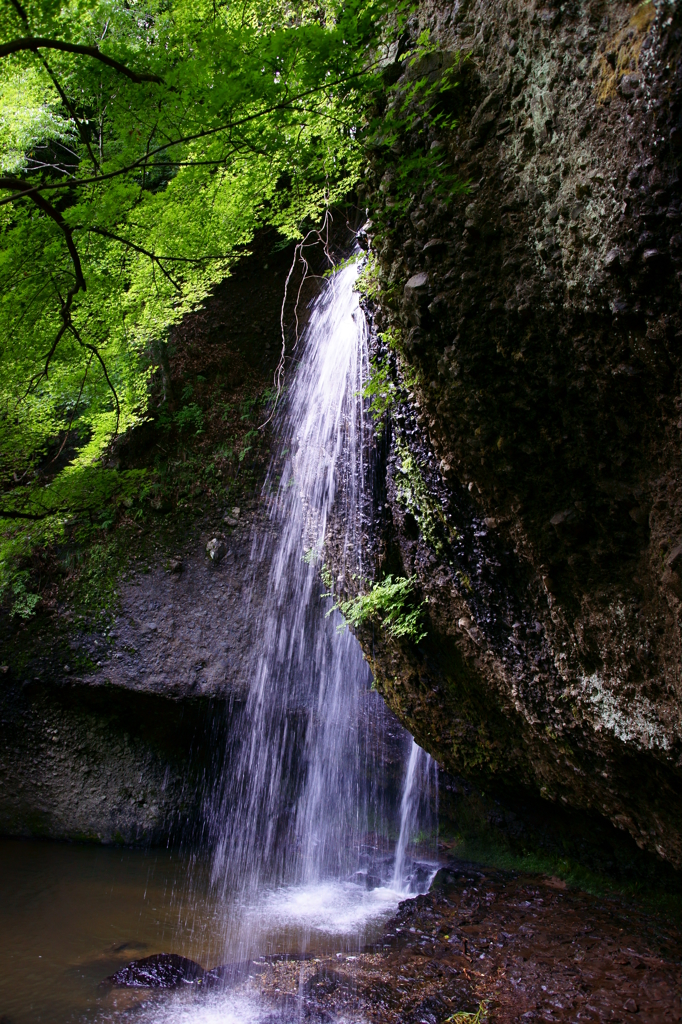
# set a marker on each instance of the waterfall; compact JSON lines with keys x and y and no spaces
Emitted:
{"x":421,"y":770}
{"x":302,"y":825}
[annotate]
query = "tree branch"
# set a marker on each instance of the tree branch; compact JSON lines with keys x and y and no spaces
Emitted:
{"x":23,"y":188}
{"x":71,"y":109}
{"x":66,"y":321}
{"x":151,"y":255}
{"x":95,"y":352}
{"x":206,"y":133}
{"x":317,"y":233}
{"x":34,"y":43}
{"x":138,"y":248}
{"x":73,"y":411}
{"x":6,"y":514}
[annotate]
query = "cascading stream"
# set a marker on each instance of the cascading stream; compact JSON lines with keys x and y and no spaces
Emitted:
{"x":420,"y":776}
{"x":304,"y":822}
{"x":297,"y":755}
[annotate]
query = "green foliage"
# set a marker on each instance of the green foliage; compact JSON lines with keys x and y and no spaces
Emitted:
{"x":350,"y":261}
{"x":462,"y":1017}
{"x":327,"y":579}
{"x":391,"y":603}
{"x":94,"y":591}
{"x":22,"y":601}
{"x":190,"y":416}
{"x":413,"y":494}
{"x":381,"y":390}
{"x":414,"y":108}
{"x":44,"y":514}
{"x":367,"y":281}
{"x":312,"y":555}
{"x":128,"y":190}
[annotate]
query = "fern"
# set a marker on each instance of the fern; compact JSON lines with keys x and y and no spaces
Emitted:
{"x":391,"y":603}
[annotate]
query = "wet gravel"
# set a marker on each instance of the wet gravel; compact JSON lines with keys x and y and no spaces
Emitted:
{"x":526,"y":947}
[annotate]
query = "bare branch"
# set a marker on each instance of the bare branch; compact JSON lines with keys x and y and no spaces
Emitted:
{"x":35,"y":43}
{"x":24,"y":189}
{"x":138,"y":248}
{"x":278,"y":379}
{"x":98,"y":357}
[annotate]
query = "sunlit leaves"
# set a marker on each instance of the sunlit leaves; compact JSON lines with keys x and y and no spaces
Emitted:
{"x":161,"y":186}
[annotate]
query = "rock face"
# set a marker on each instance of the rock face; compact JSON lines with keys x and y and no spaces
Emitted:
{"x":114,"y":722}
{"x":129,"y":749}
{"x":162,"y":970}
{"x":532,"y":474}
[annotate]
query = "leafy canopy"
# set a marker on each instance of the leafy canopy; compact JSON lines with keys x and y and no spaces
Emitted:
{"x":142,"y":144}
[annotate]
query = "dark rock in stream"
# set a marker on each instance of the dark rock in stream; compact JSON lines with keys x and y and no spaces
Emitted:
{"x":162,"y":970}
{"x":170,"y":970}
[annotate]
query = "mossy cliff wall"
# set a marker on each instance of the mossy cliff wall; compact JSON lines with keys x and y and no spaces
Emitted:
{"x":117,"y":698}
{"x":531,"y":475}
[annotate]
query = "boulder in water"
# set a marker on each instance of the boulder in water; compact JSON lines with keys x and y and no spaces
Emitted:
{"x":162,"y":970}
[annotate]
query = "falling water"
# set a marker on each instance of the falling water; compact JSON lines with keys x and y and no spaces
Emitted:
{"x":305,"y":816}
{"x":290,"y":811}
{"x":419,"y":777}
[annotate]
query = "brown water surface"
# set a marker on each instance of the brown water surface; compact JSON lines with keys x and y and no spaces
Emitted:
{"x":71,"y":915}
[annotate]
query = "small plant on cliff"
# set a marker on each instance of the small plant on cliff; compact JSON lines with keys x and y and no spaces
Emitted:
{"x":381,"y":391}
{"x":23,"y":602}
{"x":391,"y":603}
{"x":407,"y":114}
{"x":463,"y":1017}
{"x":414,"y":495}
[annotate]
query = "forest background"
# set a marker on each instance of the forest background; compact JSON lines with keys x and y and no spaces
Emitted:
{"x":143,"y":146}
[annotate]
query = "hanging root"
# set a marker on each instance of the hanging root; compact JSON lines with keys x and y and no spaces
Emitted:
{"x":318,"y":236}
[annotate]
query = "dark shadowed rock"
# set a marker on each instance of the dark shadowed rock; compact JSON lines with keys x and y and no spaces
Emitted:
{"x":417,"y":286}
{"x":216,"y":549}
{"x":547,"y":381}
{"x":162,"y":970}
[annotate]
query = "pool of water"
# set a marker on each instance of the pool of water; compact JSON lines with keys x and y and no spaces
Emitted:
{"x":71,"y":915}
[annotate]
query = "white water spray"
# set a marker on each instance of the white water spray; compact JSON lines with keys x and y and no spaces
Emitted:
{"x":302,"y":826}
{"x":421,"y":770}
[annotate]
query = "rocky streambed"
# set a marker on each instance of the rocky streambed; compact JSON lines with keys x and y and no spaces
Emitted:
{"x":481,"y":945}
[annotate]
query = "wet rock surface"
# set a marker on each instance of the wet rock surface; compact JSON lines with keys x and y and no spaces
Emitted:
{"x":162,"y":970}
{"x":192,"y":632}
{"x":516,"y":947}
{"x":531,"y":460}
{"x":525,"y":946}
{"x":124,"y":751}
